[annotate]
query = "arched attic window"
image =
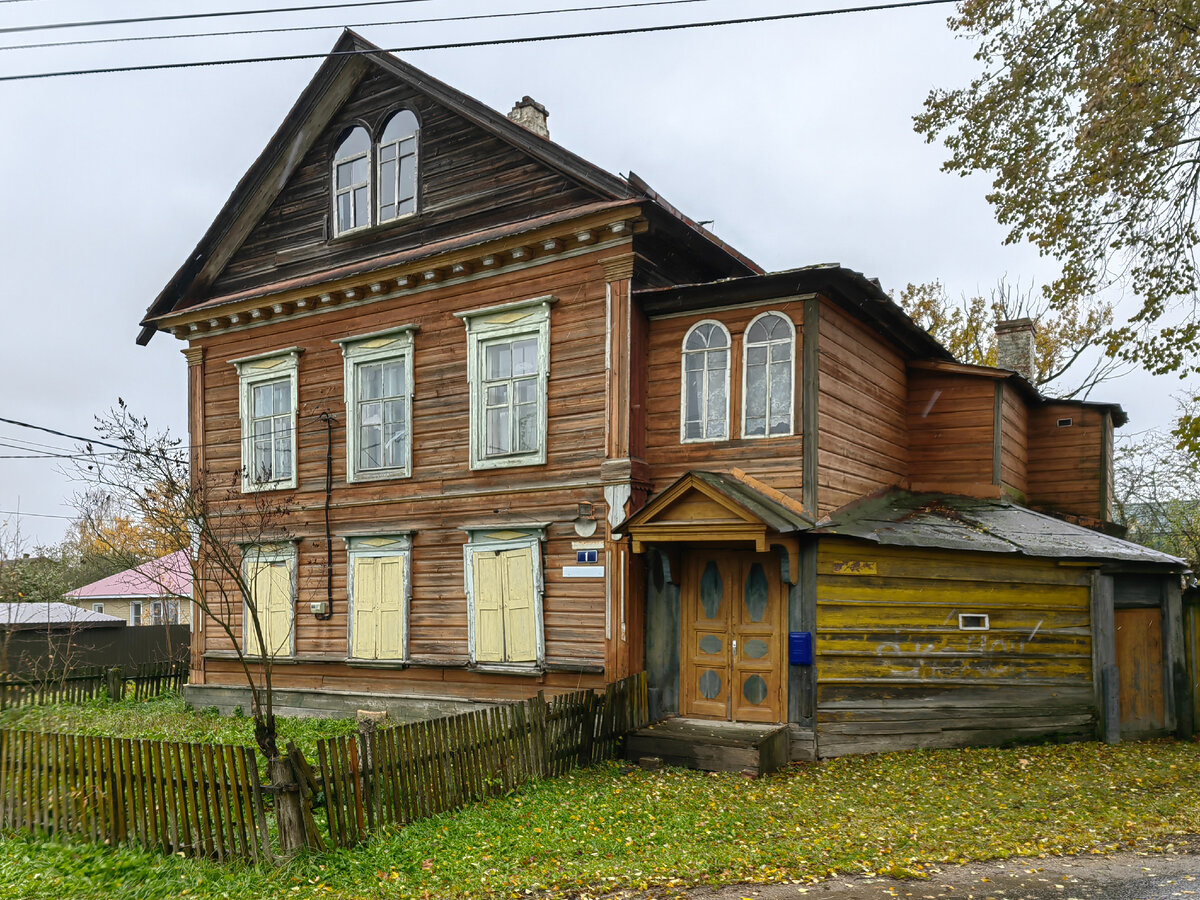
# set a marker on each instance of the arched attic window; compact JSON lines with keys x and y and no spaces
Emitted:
{"x":398,"y":167}
{"x":705,"y":412}
{"x":352,"y":182}
{"x":769,"y":360}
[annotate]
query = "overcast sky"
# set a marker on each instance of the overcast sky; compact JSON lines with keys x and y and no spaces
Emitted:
{"x":794,"y":137}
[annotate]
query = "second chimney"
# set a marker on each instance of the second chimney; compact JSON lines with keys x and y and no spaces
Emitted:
{"x":532,"y":116}
{"x":1015,"y":348}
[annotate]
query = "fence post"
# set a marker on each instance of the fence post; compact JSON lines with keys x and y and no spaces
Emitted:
{"x":289,"y":801}
{"x":589,"y":730}
{"x":115,"y":682}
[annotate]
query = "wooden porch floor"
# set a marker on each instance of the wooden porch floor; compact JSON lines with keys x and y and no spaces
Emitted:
{"x":712,"y":746}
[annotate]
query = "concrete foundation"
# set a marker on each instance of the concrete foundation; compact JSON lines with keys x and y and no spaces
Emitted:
{"x":330,"y":704}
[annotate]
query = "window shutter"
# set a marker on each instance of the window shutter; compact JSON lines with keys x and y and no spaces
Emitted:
{"x":489,"y":608}
{"x":366,"y":594}
{"x":260,"y":591}
{"x":390,"y":641}
{"x":278,"y":629}
{"x":520,"y":625}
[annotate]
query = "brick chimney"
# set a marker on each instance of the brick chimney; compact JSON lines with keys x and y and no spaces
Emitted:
{"x":1015,"y":346}
{"x":531,"y":115}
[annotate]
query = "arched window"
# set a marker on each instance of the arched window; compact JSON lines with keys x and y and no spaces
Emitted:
{"x":706,"y":383}
{"x":352,"y":182}
{"x":398,"y":167}
{"x":767,"y":383}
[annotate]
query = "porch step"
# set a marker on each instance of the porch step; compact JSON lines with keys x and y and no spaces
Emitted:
{"x":712,"y":746}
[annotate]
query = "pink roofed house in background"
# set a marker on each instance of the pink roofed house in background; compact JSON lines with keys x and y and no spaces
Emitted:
{"x":155,"y":593}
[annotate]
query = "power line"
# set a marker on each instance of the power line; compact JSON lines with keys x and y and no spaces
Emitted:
{"x":300,"y":28}
{"x":11,"y":512}
{"x":137,"y":20}
{"x":647,"y":29}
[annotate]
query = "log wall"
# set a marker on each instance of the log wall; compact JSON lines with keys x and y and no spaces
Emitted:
{"x":895,"y":671}
{"x":863,"y":443}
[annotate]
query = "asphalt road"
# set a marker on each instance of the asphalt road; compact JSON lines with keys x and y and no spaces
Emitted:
{"x":1134,"y":875}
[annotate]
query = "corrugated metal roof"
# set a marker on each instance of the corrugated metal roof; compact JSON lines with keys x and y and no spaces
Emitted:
{"x":951,"y":522}
{"x":56,"y":613}
{"x":169,"y":576}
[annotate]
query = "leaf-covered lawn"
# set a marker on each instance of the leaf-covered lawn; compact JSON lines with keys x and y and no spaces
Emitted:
{"x":166,"y":718}
{"x":600,"y":830}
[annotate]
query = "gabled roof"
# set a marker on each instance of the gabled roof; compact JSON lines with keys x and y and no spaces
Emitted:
{"x":347,"y":64}
{"x":169,"y":576}
{"x":58,"y":615}
{"x":950,"y":522}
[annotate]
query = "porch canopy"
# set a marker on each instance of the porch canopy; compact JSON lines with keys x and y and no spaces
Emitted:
{"x":715,"y":508}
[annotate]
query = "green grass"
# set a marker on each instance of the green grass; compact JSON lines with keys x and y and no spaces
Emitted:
{"x":166,"y":718}
{"x":600,"y":830}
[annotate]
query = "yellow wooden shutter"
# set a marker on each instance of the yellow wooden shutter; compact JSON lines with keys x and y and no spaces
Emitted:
{"x":366,"y":604}
{"x":489,"y":608}
{"x":520,"y":620}
{"x":390,"y":640}
{"x":259,"y":578}
{"x":278,"y":631}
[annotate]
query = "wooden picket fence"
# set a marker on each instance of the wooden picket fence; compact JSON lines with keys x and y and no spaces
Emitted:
{"x":409,"y":772}
{"x":77,"y":685}
{"x":195,"y":799}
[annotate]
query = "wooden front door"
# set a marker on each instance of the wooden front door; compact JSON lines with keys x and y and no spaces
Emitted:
{"x":1140,"y":664}
{"x":733,"y":638}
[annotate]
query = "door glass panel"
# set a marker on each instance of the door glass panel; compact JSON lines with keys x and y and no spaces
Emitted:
{"x":710,"y":685}
{"x":755,"y":649}
{"x":755,"y":689}
{"x":756,"y":593}
{"x":710,"y":643}
{"x":711,"y":589}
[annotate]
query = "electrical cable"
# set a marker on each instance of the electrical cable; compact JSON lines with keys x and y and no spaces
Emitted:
{"x":301,"y":28}
{"x":494,"y":42}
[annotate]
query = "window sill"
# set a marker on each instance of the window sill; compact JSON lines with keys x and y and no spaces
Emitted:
{"x":510,"y":669}
{"x":382,"y":475}
{"x":508,"y":462}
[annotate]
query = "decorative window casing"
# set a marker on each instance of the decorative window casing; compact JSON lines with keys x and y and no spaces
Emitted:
{"x":379,"y":585}
{"x":504,"y":598}
{"x":704,"y":411}
{"x":269,"y":571}
{"x":352,"y":182}
{"x":508,"y":367}
{"x":396,"y":167}
{"x":768,"y":376}
{"x":377,"y":378}
{"x":268,"y":399}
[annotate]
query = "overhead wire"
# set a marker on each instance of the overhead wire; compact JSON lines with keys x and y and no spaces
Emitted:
{"x":493,"y":42}
{"x":301,"y":28}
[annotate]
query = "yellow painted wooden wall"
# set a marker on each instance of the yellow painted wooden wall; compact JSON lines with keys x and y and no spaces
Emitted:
{"x":894,"y":666}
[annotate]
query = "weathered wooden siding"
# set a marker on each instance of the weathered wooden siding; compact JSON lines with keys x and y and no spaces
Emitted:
{"x":443,"y":496}
{"x":862,"y":443}
{"x":776,"y":461}
{"x":895,"y":671}
{"x":951,"y":419}
{"x":1065,"y":463}
{"x":1014,"y":439}
{"x":469,"y":180}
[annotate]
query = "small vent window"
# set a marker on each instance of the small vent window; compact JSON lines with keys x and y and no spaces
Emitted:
{"x":972,"y":622}
{"x":1065,"y":423}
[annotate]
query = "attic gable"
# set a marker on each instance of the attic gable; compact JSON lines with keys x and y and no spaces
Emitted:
{"x":282,"y":187}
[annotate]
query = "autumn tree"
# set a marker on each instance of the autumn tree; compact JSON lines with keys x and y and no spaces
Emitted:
{"x":1067,"y":359}
{"x":1087,"y":117}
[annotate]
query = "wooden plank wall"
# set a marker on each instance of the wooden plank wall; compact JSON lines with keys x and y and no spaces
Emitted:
{"x":775,"y":461}
{"x":950,"y":420}
{"x":469,"y":180}
{"x":894,"y":671}
{"x":1014,"y":439}
{"x":863,"y":443}
{"x":1065,"y":462}
{"x":443,"y":495}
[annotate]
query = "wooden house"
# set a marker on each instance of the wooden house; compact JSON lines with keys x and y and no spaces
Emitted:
{"x":531,"y":428}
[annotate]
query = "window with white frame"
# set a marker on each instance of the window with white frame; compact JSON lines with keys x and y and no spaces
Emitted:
{"x":397,"y":165}
{"x":504,"y":597}
{"x":135,"y":612}
{"x":269,"y":571}
{"x":378,"y":387}
{"x":768,"y":365}
{"x":379,"y":589}
{"x":508,"y":365}
{"x":267,"y":398}
{"x":705,"y":407}
{"x":352,"y":182}
{"x":98,"y":607}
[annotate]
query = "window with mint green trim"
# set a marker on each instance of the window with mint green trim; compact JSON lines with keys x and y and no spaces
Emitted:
{"x":378,"y":394}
